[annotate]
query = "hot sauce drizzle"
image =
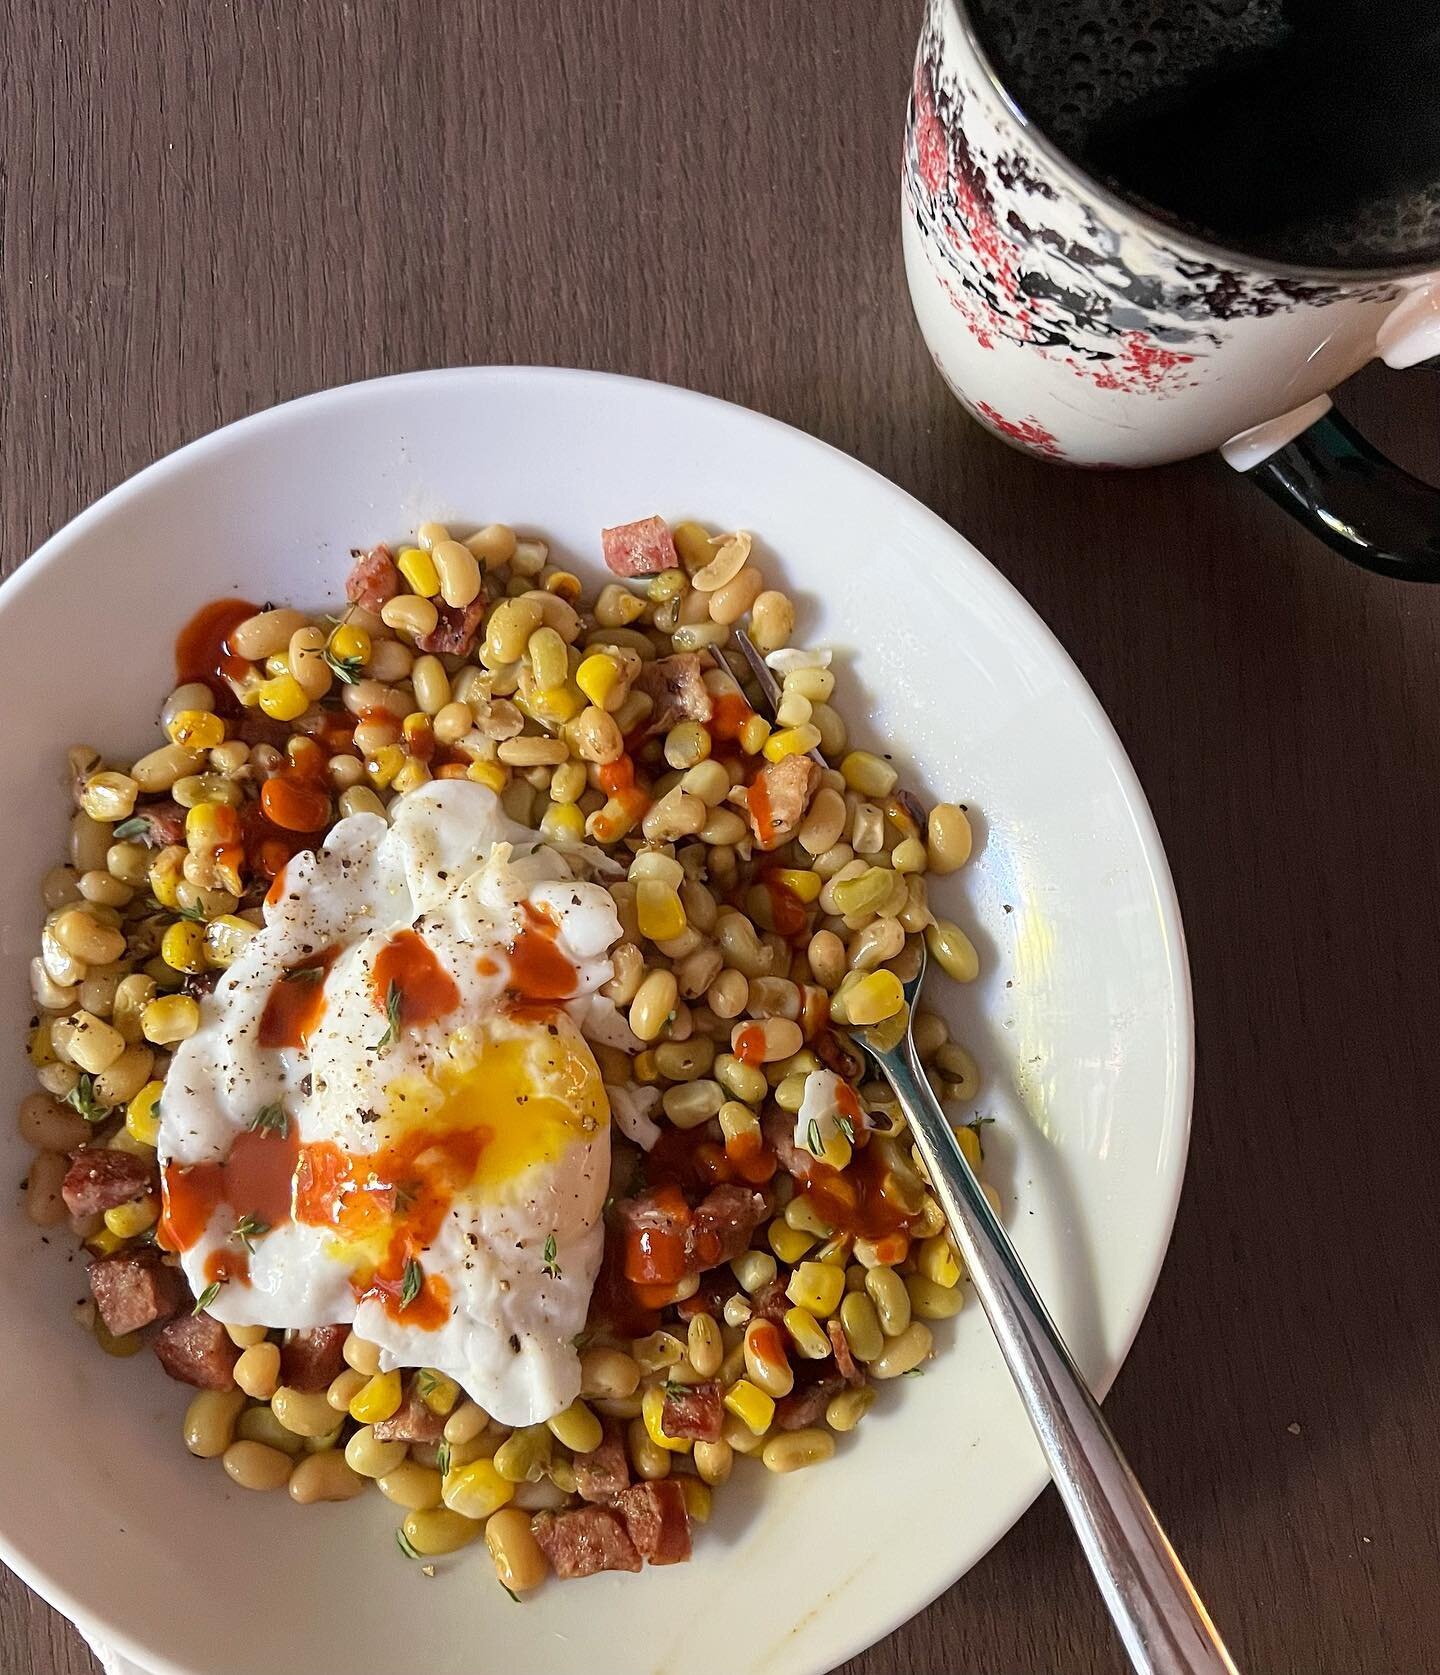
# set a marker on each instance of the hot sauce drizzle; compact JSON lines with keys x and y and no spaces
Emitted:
{"x":296,"y":1003}
{"x":539,"y":972}
{"x":202,"y":650}
{"x":426,"y":991}
{"x":254,"y":1180}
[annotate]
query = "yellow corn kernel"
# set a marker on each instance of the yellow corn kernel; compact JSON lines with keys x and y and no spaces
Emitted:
{"x":169,"y":1019}
{"x":224,"y":939}
{"x":104,"y":1242}
{"x":283,"y":698}
{"x":494,"y":775}
{"x":166,"y":873}
{"x":754,"y":731}
{"x":644,"y":1067}
{"x":835,"y":1150}
{"x":476,"y":1490}
{"x":378,"y":1399}
{"x":596,"y":677}
{"x":208,"y":825}
{"x":142,"y":1114}
{"x":350,"y":645}
{"x":817,"y":1287}
{"x":788,"y":1243}
{"x":418,"y":568}
{"x":658,"y":910}
{"x":126,"y":1220}
{"x":751,"y":1406}
{"x":555,"y":705}
{"x":697,"y":1499}
{"x":196,"y":729}
{"x":652,"y":1404}
{"x":791,"y":741}
{"x":384,"y":765}
{"x":969,"y":1143}
{"x":183,"y":946}
{"x":410,"y":776}
{"x":869,"y":774}
{"x":562,"y":823}
{"x":437,"y":1390}
{"x":938,"y":1263}
{"x":877,"y":996}
{"x":805,"y":1331}
{"x":800,"y":882}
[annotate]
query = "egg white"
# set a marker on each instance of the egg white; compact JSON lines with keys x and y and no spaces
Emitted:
{"x":455,"y":868}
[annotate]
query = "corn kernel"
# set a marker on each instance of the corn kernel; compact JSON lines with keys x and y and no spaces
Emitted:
{"x":817,"y":1287}
{"x":437,"y":1390}
{"x":800,"y":882}
{"x":596,"y":677}
{"x":938,"y":1263}
{"x":142,"y":1114}
{"x":126,"y":1220}
{"x":183,"y":946}
{"x":754,"y":731}
{"x":563,"y":823}
{"x":224,"y":939}
{"x":169,"y":1018}
{"x":553,"y":706}
{"x":196,"y":729}
{"x":692,"y":542}
{"x":805,"y":1331}
{"x":494,"y":775}
{"x":410,"y":776}
{"x":210,"y":825}
{"x":418,"y":568}
{"x":697,"y":1499}
{"x":870,"y":775}
{"x":969,"y":1143}
{"x":877,"y":996}
{"x":350,"y":645}
{"x":658,"y":910}
{"x":788,"y":1243}
{"x":378,"y":1399}
{"x":384,"y":765}
{"x":283,"y":698}
{"x":166,"y":873}
{"x":751,"y":1406}
{"x":476,"y":1490}
{"x":652,"y":1404}
{"x":104,"y":1242}
{"x":791,"y":741}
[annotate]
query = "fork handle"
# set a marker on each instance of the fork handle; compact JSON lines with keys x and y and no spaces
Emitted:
{"x":1164,"y":1625}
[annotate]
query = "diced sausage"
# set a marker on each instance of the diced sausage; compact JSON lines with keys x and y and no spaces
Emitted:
{"x":99,"y":1179}
{"x":134,"y":1288}
{"x":197,"y":1350}
{"x":456,"y":629}
{"x":656,"y":1517}
{"x":676,"y":687}
{"x":770,"y":1302}
{"x":313,"y":1359}
{"x":164,"y":823}
{"x":779,"y":1131}
{"x":643,"y":548}
{"x":585,"y":1541}
{"x":413,"y":1421}
{"x":662,"y":1213}
{"x":373,"y":579}
{"x":806,"y":1404}
{"x":723,"y":1223}
{"x":844,"y":1360}
{"x":696,"y":1411}
{"x":601,"y":1474}
{"x":779,"y":797}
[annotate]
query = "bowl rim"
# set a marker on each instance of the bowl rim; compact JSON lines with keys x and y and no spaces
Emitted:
{"x":33,"y":572}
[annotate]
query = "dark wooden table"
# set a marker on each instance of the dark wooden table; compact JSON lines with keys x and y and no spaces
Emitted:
{"x":208,"y":208}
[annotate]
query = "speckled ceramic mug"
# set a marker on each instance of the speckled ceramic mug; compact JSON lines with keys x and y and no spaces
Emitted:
{"x":1082,"y":329}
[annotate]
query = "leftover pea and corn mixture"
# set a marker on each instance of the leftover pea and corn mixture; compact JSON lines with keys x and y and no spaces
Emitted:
{"x":443,"y":1056}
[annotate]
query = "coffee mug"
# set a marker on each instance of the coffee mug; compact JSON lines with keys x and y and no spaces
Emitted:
{"x":1081,"y":328}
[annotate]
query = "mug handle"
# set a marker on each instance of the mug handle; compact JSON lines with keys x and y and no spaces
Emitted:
{"x":1324,"y":473}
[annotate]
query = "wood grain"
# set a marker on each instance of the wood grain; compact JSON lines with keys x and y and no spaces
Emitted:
{"x":211,"y":207}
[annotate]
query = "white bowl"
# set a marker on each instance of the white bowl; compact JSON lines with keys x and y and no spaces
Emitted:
{"x":1081,"y":1025}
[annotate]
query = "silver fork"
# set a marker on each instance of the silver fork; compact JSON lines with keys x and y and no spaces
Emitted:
{"x":1164,"y":1625}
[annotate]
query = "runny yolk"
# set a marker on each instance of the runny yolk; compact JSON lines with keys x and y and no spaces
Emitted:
{"x":296,"y":1003}
{"x":254,"y":1180}
{"x":538,"y":970}
{"x":407,"y":967}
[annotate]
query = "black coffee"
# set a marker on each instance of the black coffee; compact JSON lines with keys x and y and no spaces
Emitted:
{"x":1305,"y":130}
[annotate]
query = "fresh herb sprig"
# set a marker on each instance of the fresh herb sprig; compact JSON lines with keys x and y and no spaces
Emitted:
{"x":411,"y":1281}
{"x":207,"y":1296}
{"x":247,"y":1230}
{"x":549,"y":1266}
{"x":394,"y":1002}
{"x":82,"y":1099}
{"x":271,"y":1119}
